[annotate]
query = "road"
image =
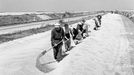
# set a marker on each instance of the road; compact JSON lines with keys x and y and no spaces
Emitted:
{"x":105,"y":52}
{"x":108,"y":51}
{"x":129,"y":26}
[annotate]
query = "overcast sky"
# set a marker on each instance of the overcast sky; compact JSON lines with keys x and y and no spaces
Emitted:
{"x":64,"y":5}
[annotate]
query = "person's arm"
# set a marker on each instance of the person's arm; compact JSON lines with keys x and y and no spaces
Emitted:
{"x":63,"y":34}
{"x":71,"y":32}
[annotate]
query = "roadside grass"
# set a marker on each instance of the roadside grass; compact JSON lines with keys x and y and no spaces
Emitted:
{"x":21,"y":34}
{"x":24,"y":33}
{"x":10,"y":20}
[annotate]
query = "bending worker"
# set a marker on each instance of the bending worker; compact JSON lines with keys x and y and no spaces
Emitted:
{"x":67,"y":38}
{"x":57,"y":36}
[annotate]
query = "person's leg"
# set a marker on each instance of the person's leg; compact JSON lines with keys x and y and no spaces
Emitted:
{"x":95,"y":28}
{"x":74,"y":36}
{"x":84,"y":31}
{"x":87,"y":32}
{"x":55,"y":51}
{"x":75,"y":32}
{"x":82,"y":34}
{"x":69,"y":44}
{"x":66,"y":45}
{"x":59,"y":56}
{"x":100,"y":22}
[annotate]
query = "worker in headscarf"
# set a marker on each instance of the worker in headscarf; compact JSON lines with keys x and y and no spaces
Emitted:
{"x":68,"y":36}
{"x":57,"y":36}
{"x":99,"y":17}
{"x":96,"y":23}
{"x":85,"y":29}
{"x":79,"y":30}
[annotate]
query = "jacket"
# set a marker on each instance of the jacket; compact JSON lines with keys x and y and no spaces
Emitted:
{"x":57,"y":36}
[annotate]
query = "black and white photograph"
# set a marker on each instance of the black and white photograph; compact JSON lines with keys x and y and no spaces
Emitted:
{"x":66,"y":37}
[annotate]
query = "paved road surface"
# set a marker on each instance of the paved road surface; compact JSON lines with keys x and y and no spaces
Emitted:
{"x":105,"y":52}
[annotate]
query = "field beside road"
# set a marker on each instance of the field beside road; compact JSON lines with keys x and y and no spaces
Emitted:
{"x":27,"y":30}
{"x":11,"y":19}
